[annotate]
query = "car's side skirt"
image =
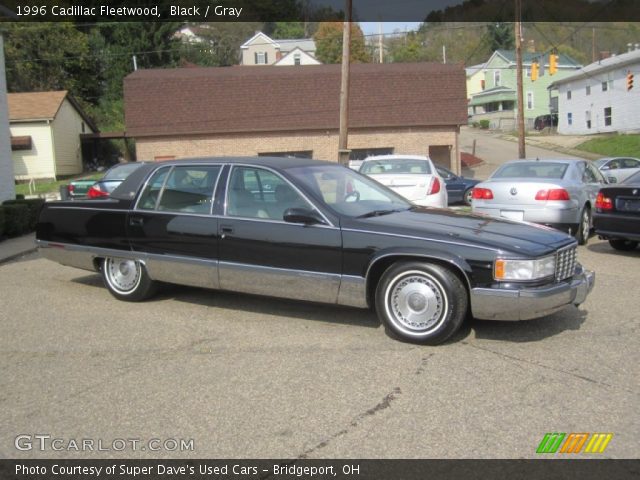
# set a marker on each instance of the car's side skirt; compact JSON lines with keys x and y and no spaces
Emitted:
{"x":260,"y":280}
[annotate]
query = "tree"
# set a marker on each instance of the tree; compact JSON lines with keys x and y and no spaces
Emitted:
{"x":501,"y":36}
{"x":329,"y":43}
{"x":50,"y":56}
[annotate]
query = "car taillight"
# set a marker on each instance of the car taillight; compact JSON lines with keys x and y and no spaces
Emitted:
{"x":603,"y":203}
{"x":553,"y":194}
{"x":482,"y":194}
{"x":435,"y":186}
{"x":70,"y":188}
{"x":95,"y":192}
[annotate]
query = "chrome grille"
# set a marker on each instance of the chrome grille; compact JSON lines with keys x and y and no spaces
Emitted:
{"x":565,"y":262}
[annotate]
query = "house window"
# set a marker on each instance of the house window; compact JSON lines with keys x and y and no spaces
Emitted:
{"x":587,"y":116}
{"x":362,"y":153}
{"x":261,"y":58}
{"x":588,"y":89}
{"x":605,"y":86}
{"x":569,"y":118}
{"x":607,"y":117}
{"x":530,"y":101}
{"x":296,"y":58}
{"x":83,"y":127}
{"x":482,"y":84}
{"x":527,"y":72}
{"x":568,"y":94}
{"x":496,"y":78}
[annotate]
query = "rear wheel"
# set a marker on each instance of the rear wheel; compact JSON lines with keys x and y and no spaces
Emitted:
{"x":421,"y":302}
{"x":623,"y":245}
{"x":468,"y":195}
{"x":584,"y":227}
{"x":127,"y":279}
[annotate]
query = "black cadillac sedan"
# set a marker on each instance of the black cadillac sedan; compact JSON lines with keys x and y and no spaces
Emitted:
{"x":617,"y":214}
{"x":314,"y":231}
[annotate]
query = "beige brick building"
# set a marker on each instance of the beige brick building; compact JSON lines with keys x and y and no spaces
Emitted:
{"x":293,"y":111}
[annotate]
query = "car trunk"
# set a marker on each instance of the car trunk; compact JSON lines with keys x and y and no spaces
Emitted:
{"x":412,"y":187}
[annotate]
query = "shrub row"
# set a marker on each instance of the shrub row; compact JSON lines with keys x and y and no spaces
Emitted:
{"x":18,"y":217}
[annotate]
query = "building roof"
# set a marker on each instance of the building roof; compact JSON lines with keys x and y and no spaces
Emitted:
{"x":602,"y":66}
{"x":41,"y":106}
{"x":292,"y":98}
{"x":311,"y":60}
{"x":528,"y":57}
{"x":284,"y":45}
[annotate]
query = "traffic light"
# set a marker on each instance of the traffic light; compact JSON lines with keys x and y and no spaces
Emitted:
{"x":534,"y":71}
{"x":629,"y":80}
{"x":553,"y":63}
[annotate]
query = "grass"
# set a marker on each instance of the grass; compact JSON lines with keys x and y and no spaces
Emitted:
{"x":613,"y":146}
{"x":50,"y":186}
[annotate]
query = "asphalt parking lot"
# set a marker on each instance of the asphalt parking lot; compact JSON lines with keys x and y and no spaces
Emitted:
{"x":252,"y":377}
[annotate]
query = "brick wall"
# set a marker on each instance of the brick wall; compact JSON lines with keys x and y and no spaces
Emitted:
{"x":324,"y":144}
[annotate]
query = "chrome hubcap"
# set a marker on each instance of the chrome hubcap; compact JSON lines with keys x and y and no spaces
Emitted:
{"x":416,"y":301}
{"x":123,"y":275}
{"x":585,"y":225}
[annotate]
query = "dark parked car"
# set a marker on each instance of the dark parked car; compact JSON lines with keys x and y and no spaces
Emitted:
{"x":112,"y":179}
{"x":315,"y":231}
{"x":617,"y":215}
{"x":460,"y":189}
{"x":544,"y":121}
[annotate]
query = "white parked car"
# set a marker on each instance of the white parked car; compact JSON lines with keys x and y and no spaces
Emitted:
{"x":412,"y":176}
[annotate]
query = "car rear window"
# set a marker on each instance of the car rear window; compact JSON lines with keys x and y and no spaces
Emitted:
{"x":404,"y":166}
{"x":532,"y":170}
{"x":121,"y":172}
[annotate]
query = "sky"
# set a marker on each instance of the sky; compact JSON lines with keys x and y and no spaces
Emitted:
{"x":369,"y":28}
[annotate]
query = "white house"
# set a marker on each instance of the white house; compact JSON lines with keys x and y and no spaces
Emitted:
{"x":596,"y":99}
{"x":263,"y":50}
{"x":45,"y":134}
{"x":297,"y":56}
{"x":7,"y":184}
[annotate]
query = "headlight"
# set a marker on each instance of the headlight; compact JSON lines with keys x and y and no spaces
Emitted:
{"x":524,"y":269}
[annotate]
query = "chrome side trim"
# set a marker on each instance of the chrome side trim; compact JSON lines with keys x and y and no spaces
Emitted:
{"x":332,"y":288}
{"x":353,"y":292}
{"x":280,"y":282}
{"x":64,"y":207}
{"x":420,"y":238}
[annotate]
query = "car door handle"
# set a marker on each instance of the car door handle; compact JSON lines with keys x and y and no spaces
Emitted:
{"x":224,"y":230}
{"x":136,"y":221}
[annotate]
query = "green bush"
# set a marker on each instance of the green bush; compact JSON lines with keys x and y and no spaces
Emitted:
{"x":16,"y":219}
{"x":1,"y":222}
{"x":33,"y":208}
{"x":484,"y":124}
{"x":475,"y":124}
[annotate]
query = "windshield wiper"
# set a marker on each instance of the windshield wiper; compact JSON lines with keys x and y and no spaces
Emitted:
{"x":378,"y":213}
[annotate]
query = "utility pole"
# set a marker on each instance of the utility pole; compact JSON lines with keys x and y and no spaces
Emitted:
{"x":380,"y":42}
{"x":343,"y":152}
{"x":520,"y":95}
{"x":593,"y":44}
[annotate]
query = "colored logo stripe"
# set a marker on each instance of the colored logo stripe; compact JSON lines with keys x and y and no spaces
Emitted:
{"x":574,"y":443}
{"x":598,"y":442}
{"x":550,"y":443}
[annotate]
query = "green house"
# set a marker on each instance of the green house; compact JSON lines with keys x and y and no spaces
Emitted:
{"x":497,"y":100}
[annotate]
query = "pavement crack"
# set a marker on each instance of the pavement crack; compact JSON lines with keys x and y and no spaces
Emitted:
{"x":507,"y":357}
{"x":423,"y":364}
{"x":357,"y":420}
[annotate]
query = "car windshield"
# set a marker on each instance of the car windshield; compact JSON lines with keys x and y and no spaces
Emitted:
{"x":600,"y":162}
{"x":404,"y":166}
{"x":635,"y":179}
{"x":347,"y":192}
{"x":531,"y":170}
{"x":120,"y":172}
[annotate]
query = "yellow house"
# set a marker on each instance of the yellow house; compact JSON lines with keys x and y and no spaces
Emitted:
{"x":475,"y":81}
{"x":45,"y":134}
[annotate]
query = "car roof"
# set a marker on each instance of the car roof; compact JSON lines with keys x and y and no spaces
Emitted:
{"x":281,"y":163}
{"x":396,"y":157}
{"x":545,"y":160}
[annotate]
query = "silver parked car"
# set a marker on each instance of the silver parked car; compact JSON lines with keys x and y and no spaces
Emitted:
{"x":618,"y":169}
{"x":557,"y":193}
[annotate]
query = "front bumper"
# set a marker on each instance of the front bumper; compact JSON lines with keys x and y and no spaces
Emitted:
{"x":527,"y":303}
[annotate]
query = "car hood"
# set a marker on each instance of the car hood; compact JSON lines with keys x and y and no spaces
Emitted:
{"x":481,"y":230}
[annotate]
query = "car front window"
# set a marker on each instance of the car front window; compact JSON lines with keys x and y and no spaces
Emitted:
{"x":347,"y":192}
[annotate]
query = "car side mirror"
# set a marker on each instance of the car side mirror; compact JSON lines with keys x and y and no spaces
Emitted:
{"x":302,"y":215}
{"x":606,"y":167}
{"x":612,"y":180}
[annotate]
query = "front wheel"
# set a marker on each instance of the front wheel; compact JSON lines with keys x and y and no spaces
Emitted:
{"x":421,"y":302}
{"x":623,"y":245}
{"x":127,"y":279}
